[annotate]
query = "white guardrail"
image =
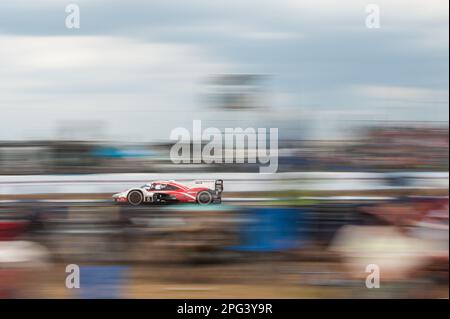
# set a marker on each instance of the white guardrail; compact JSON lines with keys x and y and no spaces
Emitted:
{"x":233,"y":182}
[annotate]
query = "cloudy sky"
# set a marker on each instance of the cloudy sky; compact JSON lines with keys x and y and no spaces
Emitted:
{"x":137,"y":69}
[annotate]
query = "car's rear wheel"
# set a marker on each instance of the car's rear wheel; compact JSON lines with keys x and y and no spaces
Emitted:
{"x":204,"y":198}
{"x":135,"y":198}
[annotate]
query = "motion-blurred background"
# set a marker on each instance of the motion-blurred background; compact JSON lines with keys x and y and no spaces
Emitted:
{"x":362,"y":116}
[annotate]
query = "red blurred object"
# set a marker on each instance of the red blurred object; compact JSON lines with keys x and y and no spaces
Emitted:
{"x":203,"y":192}
{"x":9,"y":229}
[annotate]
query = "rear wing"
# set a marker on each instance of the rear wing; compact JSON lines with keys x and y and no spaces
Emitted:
{"x":219,"y":186}
{"x":216,"y":185}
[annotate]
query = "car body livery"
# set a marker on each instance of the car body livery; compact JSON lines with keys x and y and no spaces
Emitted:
{"x":203,"y":192}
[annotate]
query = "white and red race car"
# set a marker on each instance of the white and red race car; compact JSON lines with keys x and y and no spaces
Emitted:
{"x":203,"y":192}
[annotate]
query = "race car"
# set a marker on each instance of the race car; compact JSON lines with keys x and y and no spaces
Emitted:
{"x":203,"y":192}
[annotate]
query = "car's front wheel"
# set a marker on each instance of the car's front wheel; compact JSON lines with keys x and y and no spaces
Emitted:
{"x":204,"y":198}
{"x":135,"y":198}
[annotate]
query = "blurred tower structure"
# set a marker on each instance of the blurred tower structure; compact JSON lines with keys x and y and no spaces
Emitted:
{"x":238,"y":92}
{"x":237,"y":100}
{"x":244,"y":100}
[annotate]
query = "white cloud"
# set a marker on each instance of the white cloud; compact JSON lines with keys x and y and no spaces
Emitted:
{"x":401,"y":93}
{"x":129,"y":84}
{"x":37,"y":62}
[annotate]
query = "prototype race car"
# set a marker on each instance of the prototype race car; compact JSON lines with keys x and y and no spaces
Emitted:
{"x":203,"y":192}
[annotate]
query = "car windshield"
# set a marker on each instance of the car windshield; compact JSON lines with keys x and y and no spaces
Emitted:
{"x":154,"y":186}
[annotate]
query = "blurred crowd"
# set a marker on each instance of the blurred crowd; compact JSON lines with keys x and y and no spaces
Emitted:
{"x":376,"y":149}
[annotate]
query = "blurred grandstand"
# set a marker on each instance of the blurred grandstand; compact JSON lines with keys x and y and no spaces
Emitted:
{"x":377,"y":149}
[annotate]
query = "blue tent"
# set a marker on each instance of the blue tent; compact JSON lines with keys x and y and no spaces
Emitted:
{"x":102,"y":282}
{"x":268,"y":229}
